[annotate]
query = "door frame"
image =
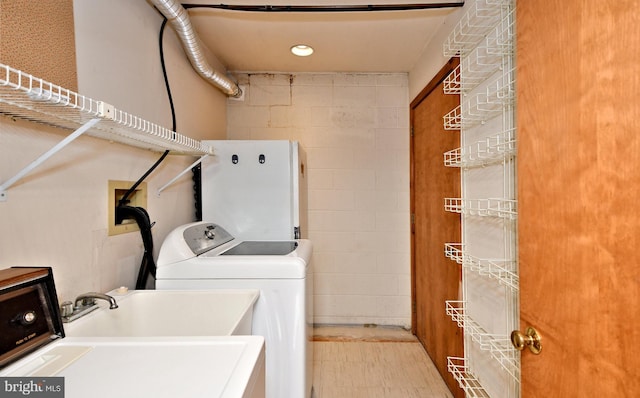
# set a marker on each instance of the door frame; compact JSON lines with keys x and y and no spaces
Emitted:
{"x":432,"y":273}
{"x":428,"y":89}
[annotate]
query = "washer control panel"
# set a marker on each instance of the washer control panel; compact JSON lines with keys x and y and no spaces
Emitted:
{"x":205,"y":236}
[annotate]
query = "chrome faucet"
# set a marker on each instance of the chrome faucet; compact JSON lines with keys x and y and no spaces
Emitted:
{"x":88,"y":299}
{"x":84,"y":304}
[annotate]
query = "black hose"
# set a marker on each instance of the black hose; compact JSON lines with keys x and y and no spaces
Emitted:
{"x":141,"y":217}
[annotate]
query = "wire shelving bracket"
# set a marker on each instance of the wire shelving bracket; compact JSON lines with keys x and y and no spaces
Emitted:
{"x":194,"y":164}
{"x":42,"y":158}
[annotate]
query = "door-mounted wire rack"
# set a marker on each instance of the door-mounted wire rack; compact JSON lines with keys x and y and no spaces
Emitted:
{"x":474,"y":26}
{"x":484,"y":39}
{"x":482,"y":106}
{"x":490,"y":207}
{"x":498,"y":346}
{"x":491,"y":150}
{"x":24,"y":96}
{"x":503,"y":270}
{"x":482,"y":61}
{"x":466,"y":379}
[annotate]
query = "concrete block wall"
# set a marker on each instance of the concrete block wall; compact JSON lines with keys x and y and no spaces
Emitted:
{"x":355,"y":131}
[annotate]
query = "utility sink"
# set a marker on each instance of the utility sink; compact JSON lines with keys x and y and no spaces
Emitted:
{"x":152,"y":313}
{"x":158,"y":367}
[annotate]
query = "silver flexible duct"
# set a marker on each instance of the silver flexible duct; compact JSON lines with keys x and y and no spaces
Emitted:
{"x":178,"y":17}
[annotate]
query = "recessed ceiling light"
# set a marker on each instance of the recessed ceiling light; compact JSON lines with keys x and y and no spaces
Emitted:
{"x":302,"y":50}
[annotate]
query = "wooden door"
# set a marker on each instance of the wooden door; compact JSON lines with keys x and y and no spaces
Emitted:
{"x":578,"y":124}
{"x":435,"y":279}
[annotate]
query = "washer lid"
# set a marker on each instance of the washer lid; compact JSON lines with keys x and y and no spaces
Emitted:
{"x":261,"y":248}
{"x":211,"y":265}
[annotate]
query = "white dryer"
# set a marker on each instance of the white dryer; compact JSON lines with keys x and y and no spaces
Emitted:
{"x":203,"y":255}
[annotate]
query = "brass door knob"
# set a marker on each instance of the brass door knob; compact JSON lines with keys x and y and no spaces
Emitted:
{"x":531,"y":338}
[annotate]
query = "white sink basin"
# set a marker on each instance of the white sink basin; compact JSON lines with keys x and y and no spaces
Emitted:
{"x":158,"y":367}
{"x":150,"y":313}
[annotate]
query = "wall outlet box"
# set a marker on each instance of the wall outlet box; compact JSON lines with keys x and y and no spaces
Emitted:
{"x":116,"y":190}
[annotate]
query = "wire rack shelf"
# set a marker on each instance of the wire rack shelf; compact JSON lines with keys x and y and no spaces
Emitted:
{"x":499,"y":346}
{"x":491,"y":150}
{"x":26,"y":97}
{"x":475,"y":25}
{"x":491,"y":207}
{"x":23,"y":96}
{"x":482,"y":106}
{"x":466,"y":380}
{"x":482,"y":62}
{"x":484,"y":41}
{"x":504,"y":271}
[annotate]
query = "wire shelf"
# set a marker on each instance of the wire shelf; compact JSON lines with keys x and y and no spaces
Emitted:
{"x":482,"y":61}
{"x":474,"y":26}
{"x":484,"y":40}
{"x":466,"y":380}
{"x":492,"y":207}
{"x":500,"y":41}
{"x":491,"y":150}
{"x":482,"y":106}
{"x":452,"y":84}
{"x":498,"y":346}
{"x":504,"y":271}
{"x":26,"y":97}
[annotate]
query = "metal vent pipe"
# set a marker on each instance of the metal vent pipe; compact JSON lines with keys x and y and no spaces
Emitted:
{"x":178,"y":17}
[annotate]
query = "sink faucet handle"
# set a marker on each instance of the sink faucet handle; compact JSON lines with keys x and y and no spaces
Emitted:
{"x":86,"y":301}
{"x":66,"y":308}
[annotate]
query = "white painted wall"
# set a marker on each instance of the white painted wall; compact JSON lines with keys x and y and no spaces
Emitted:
{"x":355,"y":130}
{"x":57,"y":215}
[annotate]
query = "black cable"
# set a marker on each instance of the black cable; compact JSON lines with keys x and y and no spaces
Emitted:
{"x":139,"y":214}
{"x":166,"y":77}
{"x":125,"y":197}
{"x":328,"y":8}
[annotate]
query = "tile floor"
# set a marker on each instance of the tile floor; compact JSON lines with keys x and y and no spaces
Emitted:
{"x":351,"y":362}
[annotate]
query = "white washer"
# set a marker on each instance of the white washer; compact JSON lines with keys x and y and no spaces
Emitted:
{"x":203,"y":255}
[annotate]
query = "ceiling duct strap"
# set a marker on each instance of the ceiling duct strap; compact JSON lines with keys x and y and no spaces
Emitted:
{"x":179,"y":20}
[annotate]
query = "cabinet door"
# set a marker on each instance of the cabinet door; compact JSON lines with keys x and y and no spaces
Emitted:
{"x":435,"y":278}
{"x":578,"y":124}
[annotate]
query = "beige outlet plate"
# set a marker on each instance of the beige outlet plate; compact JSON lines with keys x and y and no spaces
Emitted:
{"x":116,"y":191}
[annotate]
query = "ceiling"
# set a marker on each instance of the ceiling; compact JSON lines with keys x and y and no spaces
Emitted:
{"x":361,"y":41}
